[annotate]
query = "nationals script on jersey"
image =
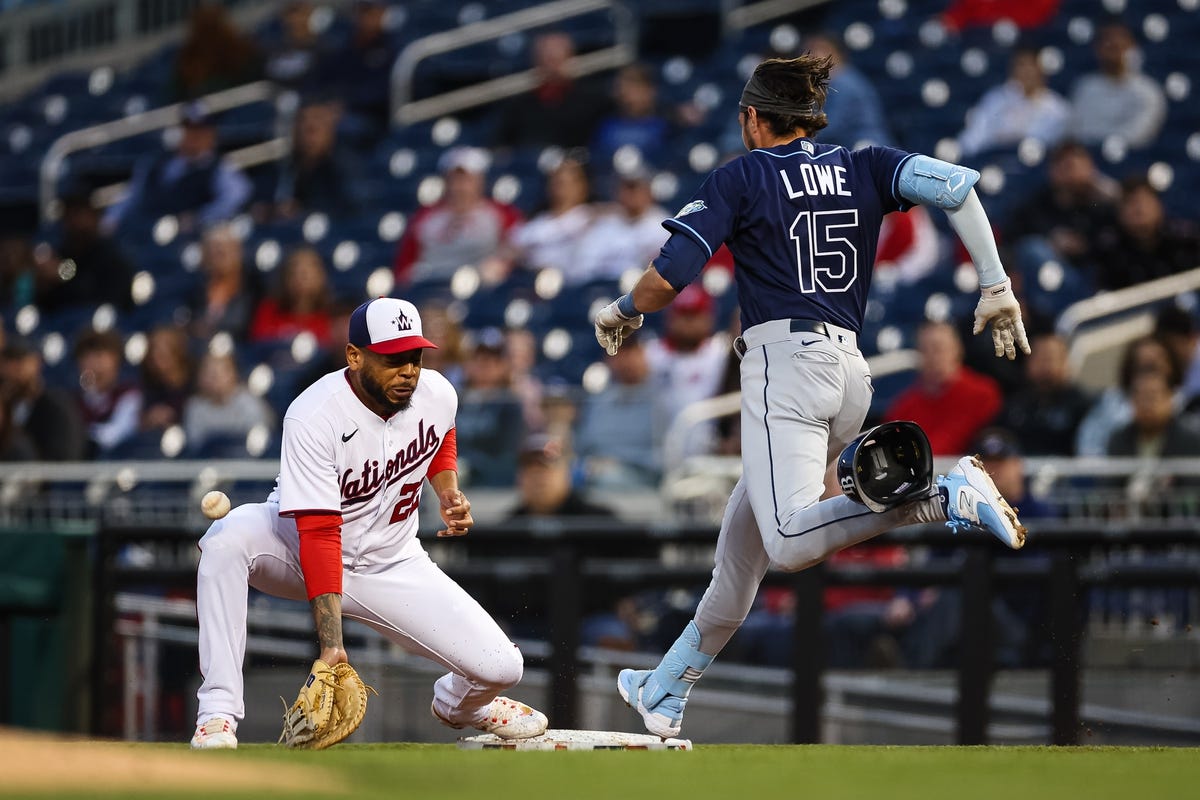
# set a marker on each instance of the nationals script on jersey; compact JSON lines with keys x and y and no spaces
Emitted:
{"x":340,"y":456}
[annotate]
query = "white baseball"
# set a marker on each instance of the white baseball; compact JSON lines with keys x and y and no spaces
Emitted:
{"x":215,"y":505}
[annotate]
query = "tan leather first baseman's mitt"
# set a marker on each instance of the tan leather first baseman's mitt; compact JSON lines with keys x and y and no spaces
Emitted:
{"x":331,"y":705}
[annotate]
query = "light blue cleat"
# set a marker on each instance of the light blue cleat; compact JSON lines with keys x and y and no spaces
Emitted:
{"x":971,"y":500}
{"x":659,"y":695}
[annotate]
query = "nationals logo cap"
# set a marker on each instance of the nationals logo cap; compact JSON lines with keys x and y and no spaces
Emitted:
{"x":387,"y":325}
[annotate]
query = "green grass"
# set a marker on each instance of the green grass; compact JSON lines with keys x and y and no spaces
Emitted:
{"x":827,"y":772}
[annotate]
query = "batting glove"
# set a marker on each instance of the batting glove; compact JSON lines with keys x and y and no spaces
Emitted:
{"x":613,"y":327}
{"x":998,"y":307}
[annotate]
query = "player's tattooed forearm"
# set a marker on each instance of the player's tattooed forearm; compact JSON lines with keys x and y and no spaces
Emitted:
{"x":327,"y":612}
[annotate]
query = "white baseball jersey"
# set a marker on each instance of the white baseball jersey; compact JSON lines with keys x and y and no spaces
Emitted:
{"x":338,"y":455}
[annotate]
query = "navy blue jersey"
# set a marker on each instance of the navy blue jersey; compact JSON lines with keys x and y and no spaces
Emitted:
{"x":802,"y":221}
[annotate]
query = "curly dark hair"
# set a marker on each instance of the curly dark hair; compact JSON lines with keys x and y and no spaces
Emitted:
{"x":803,"y":80}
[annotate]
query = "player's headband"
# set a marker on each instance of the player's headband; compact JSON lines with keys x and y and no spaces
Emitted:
{"x":763,"y":99}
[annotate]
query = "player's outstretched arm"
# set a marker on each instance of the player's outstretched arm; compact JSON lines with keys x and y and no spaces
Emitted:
{"x":620,"y":318}
{"x":951,"y":187}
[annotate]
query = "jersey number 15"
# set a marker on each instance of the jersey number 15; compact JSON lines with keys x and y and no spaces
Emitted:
{"x":825,"y":256}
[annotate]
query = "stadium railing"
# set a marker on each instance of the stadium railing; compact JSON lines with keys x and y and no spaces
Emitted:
{"x":43,"y":39}
{"x":155,"y":119}
{"x":1100,"y":326}
{"x":570,"y":563}
{"x":407,"y":110}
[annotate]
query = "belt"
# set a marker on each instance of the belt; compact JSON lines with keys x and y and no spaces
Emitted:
{"x":795,"y":326}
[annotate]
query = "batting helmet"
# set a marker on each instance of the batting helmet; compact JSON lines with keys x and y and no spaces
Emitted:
{"x":887,"y":465}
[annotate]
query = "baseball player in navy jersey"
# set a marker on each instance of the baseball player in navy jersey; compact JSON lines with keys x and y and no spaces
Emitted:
{"x":802,"y":221}
{"x":339,"y":530}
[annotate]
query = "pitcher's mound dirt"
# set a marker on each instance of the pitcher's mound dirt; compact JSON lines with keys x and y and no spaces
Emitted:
{"x":35,"y":762}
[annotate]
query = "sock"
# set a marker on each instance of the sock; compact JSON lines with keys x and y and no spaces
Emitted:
{"x":680,"y":668}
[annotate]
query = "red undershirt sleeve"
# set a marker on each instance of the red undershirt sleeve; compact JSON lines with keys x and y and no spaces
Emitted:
{"x":320,"y":551}
{"x":447,"y":454}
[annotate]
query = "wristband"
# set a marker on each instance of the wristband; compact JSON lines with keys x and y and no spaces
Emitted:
{"x":625,"y":306}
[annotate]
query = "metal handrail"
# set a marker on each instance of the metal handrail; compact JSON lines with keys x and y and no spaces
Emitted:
{"x":1107,"y":303}
{"x":405,"y":110}
{"x":144,"y":122}
{"x":752,"y":14}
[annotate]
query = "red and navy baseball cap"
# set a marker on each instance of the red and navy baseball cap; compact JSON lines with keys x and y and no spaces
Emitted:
{"x":387,"y":325}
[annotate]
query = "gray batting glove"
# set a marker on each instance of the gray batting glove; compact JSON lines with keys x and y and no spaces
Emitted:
{"x":612,"y":327}
{"x":999,"y":308}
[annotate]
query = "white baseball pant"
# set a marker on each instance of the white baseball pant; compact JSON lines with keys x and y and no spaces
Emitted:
{"x":803,"y":393}
{"x":411,"y":602}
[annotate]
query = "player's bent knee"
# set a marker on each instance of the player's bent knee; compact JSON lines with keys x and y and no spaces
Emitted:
{"x":505,"y":670}
{"x":792,"y":555}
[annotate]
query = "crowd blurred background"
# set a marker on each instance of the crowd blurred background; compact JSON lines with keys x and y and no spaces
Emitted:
{"x":166,"y":303}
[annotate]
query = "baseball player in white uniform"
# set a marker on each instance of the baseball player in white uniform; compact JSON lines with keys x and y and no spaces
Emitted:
{"x":339,"y":530}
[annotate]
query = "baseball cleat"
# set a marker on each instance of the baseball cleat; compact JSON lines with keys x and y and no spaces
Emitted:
{"x":664,"y":717}
{"x":971,"y":499}
{"x":507,"y":719}
{"x":215,"y":733}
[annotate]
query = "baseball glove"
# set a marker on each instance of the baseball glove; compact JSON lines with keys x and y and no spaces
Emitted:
{"x":331,"y":705}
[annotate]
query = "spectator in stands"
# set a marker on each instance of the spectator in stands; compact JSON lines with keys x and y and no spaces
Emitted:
{"x":222,"y":405}
{"x":619,"y":438}
{"x":167,"y":373}
{"x":550,"y":240}
{"x":193,"y":183}
{"x":521,"y":350}
{"x":1064,"y":218}
{"x":228,"y":298}
{"x":636,"y":120}
{"x":1003,"y":457}
{"x":1144,"y":244}
{"x":360,"y":73}
{"x":489,"y":424}
{"x":544,"y":482}
{"x":1118,"y":101}
{"x":111,"y":406}
{"x":961,"y":14}
{"x":560,"y":409}
{"x":853,"y":106}
{"x":300,"y":302}
{"x":1044,"y":414}
{"x":1155,"y":429}
{"x":214,"y":55}
{"x":332,"y":356}
{"x":18,"y":270}
{"x":688,"y":362}
{"x":623,"y":236}
{"x":1022,"y":107}
{"x":85,"y":267}
{"x":48,"y":416}
{"x":1177,"y":328}
{"x":294,"y":57}
{"x":855,"y":111}
{"x":560,"y":110}
{"x":464,"y":227}
{"x":318,"y":175}
{"x":1112,"y":409}
{"x":909,"y":247}
{"x":15,"y":444}
{"x":442,"y":327}
{"x":951,"y":402}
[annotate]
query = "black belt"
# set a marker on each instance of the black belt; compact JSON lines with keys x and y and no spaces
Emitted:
{"x":797,"y":326}
{"x":810,"y":326}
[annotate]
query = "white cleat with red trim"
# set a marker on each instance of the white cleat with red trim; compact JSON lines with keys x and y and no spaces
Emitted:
{"x":508,"y":719}
{"x":215,"y":733}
